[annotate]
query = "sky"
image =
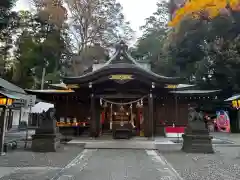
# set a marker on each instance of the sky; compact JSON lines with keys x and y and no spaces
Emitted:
{"x":135,"y":11}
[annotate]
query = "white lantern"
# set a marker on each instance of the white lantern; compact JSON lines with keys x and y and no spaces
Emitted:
{"x":105,"y":105}
{"x":138,"y":105}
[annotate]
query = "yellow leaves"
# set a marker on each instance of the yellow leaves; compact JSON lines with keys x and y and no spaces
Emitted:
{"x":233,"y":3}
{"x":197,"y":8}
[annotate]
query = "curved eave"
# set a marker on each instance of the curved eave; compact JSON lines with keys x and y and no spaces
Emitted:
{"x":116,"y":64}
{"x":48,"y":91}
{"x":60,"y":86}
{"x":93,"y":72}
{"x":118,"y":69}
{"x":197,"y":92}
{"x":181,"y":86}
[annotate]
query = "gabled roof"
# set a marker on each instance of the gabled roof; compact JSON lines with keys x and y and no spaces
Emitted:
{"x":12,"y":91}
{"x":11,"y":87}
{"x":120,"y":62}
{"x":13,"y":94}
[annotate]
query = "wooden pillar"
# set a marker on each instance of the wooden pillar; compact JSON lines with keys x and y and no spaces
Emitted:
{"x":93,"y":128}
{"x":150,"y":115}
{"x":146,"y":120}
{"x":10,"y":119}
{"x":138,"y":120}
{"x":66,"y":110}
{"x":97,"y":108}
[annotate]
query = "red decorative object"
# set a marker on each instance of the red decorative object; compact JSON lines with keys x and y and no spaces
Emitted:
{"x":170,"y":129}
{"x":174,"y":131}
{"x":162,"y":122}
{"x":102,"y":117}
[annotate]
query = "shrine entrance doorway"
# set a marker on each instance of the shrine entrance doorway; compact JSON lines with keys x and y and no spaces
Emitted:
{"x":122,"y":116}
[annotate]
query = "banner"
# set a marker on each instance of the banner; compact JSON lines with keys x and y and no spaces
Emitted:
{"x":223,"y":121}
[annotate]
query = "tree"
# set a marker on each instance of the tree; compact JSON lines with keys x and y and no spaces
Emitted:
{"x":97,"y":21}
{"x":151,"y":46}
{"x":95,"y":27}
{"x":207,"y":9}
{"x":7,"y":25}
{"x":5,"y":13}
{"x":207,"y":49}
{"x":38,"y":44}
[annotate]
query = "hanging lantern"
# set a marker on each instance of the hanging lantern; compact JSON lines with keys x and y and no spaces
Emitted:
{"x":100,"y":102}
{"x":138,"y":105}
{"x":121,"y":108}
{"x":105,"y":105}
{"x":131,"y":106}
{"x":141,"y":102}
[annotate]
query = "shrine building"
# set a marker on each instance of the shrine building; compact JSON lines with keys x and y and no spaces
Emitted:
{"x":124,"y":97}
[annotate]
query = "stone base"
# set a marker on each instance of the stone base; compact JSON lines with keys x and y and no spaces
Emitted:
{"x":197,"y":143}
{"x":45,"y":142}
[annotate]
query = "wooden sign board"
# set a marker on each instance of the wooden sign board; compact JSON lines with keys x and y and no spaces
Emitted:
{"x":121,"y":78}
{"x":171,"y":86}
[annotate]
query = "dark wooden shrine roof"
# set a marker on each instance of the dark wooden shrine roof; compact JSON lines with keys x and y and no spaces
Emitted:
{"x":120,"y":62}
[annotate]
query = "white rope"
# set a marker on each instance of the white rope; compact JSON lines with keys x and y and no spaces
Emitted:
{"x":126,"y":103}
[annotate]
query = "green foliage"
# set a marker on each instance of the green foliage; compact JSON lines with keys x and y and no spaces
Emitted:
{"x":208,"y":51}
{"x":5,"y":12}
{"x":151,"y":46}
{"x":38,"y":45}
{"x":204,"y":52}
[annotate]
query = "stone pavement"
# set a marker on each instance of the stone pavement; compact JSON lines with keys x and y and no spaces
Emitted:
{"x":118,"y":164}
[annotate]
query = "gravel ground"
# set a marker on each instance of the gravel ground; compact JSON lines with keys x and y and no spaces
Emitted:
{"x":23,"y":164}
{"x":26,"y":158}
{"x":223,"y":165}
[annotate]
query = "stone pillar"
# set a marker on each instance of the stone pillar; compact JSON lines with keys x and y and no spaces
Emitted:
{"x":2,"y":129}
{"x":93,"y":125}
{"x":150,"y":115}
